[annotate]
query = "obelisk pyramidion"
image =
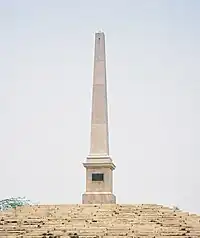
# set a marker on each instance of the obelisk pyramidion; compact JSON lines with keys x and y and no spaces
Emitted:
{"x":99,"y":165}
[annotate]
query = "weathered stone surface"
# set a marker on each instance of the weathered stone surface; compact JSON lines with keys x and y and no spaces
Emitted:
{"x":106,"y":220}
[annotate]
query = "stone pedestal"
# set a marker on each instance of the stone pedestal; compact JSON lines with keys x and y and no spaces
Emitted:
{"x":99,"y":180}
{"x":98,"y":198}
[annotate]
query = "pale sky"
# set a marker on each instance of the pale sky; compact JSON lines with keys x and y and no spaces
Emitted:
{"x":46,"y":64}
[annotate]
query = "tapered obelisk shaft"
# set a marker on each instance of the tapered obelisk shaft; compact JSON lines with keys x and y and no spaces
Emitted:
{"x":99,"y":165}
{"x":99,"y":121}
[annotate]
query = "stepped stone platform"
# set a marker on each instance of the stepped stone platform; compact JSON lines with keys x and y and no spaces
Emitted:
{"x":108,"y":221}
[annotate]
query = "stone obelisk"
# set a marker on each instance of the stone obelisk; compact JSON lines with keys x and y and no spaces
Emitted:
{"x":99,"y":165}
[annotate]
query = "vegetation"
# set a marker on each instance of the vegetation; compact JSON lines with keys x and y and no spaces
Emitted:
{"x":13,"y":203}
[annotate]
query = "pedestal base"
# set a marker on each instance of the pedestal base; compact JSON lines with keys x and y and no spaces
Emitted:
{"x":98,"y":198}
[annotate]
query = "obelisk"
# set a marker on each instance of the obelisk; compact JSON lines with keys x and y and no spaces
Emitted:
{"x":99,"y":165}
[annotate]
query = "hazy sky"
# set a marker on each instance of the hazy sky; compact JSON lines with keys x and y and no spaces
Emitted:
{"x":46,"y":64}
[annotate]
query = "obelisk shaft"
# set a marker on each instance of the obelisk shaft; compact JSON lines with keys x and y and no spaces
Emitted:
{"x":99,"y":119}
{"x":99,"y":165}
